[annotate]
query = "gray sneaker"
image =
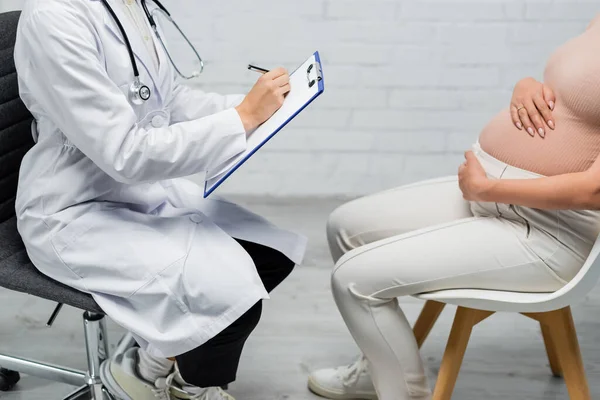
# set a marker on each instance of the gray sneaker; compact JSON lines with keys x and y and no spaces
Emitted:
{"x":180,"y":389}
{"x":119,"y":375}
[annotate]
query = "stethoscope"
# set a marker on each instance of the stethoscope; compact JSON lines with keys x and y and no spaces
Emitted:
{"x":138,"y":92}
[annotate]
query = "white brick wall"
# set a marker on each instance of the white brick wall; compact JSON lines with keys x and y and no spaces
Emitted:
{"x":410,"y":83}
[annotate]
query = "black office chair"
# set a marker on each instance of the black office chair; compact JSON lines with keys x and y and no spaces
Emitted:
{"x":16,"y":270}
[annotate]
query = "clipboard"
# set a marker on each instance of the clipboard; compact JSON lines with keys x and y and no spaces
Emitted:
{"x":307,"y":84}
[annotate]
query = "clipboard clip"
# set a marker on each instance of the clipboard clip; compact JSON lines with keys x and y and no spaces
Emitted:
{"x":314,"y":74}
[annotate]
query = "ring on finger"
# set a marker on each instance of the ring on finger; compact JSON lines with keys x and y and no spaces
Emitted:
{"x":520,"y":108}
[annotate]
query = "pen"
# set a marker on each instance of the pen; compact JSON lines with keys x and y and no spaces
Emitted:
{"x":257,"y":69}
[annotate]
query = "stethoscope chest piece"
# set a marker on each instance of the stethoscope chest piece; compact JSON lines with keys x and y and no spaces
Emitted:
{"x":139,"y":93}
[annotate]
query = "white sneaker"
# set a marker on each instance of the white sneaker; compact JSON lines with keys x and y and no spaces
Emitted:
{"x":344,"y":383}
{"x":180,"y":389}
{"x":119,"y":375}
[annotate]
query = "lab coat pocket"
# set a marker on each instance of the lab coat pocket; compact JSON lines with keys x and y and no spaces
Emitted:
{"x":117,"y":252}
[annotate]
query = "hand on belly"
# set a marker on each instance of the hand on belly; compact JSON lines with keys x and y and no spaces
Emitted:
{"x":531,"y":107}
{"x":572,"y":146}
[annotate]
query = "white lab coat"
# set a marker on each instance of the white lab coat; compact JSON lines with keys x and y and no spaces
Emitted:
{"x":102,"y":205}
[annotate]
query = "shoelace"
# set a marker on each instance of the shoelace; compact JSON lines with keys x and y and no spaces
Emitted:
{"x":161,"y":394}
{"x":163,"y":387}
{"x":352,"y":373}
{"x":214,"y":393}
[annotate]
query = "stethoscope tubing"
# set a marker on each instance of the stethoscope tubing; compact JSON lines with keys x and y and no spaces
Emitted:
{"x":138,"y":91}
{"x":149,"y":14}
{"x":136,"y":71}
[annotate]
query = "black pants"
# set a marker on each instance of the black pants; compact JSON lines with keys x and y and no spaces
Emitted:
{"x":215,"y":363}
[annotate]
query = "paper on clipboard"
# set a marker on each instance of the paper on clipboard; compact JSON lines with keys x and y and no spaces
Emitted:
{"x":306,"y":85}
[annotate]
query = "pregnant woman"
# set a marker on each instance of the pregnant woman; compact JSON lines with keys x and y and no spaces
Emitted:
{"x":517,"y":218}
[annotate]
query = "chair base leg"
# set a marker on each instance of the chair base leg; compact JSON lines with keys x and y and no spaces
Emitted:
{"x":125,"y":343}
{"x":551,"y":351}
{"x":97,"y":351}
{"x":560,"y":328}
{"x":464,"y":322}
{"x":85,"y":393}
{"x":81,"y":393}
{"x":96,"y":345}
{"x":42,"y":370}
{"x":561,"y":341}
{"x":427,"y":319}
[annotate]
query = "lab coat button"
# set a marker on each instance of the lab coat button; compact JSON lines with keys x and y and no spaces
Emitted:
{"x":196,"y":218}
{"x":158,"y":121}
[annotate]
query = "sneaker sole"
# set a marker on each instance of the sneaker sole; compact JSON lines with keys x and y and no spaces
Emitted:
{"x":109,"y":382}
{"x":319,"y":390}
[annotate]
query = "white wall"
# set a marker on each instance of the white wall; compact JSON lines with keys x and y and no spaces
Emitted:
{"x":409,"y":83}
{"x":10,"y":5}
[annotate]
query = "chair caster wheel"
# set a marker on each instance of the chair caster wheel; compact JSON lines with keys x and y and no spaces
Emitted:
{"x":8,"y":379}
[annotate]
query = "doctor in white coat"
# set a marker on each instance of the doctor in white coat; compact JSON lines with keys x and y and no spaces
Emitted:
{"x":102,"y":205}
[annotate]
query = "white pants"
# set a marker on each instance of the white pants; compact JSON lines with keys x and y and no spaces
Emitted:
{"x":425,"y":237}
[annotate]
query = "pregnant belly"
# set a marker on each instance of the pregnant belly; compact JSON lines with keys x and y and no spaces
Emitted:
{"x":572,"y":147}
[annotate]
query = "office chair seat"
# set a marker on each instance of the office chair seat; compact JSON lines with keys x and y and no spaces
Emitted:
{"x":19,"y":274}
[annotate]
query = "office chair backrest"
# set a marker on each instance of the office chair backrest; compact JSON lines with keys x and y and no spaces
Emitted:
{"x":15,"y":119}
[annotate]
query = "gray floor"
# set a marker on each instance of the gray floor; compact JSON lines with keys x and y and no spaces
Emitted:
{"x":301,"y":331}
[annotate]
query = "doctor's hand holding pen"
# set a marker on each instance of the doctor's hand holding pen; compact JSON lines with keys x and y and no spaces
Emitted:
{"x":265,"y":98}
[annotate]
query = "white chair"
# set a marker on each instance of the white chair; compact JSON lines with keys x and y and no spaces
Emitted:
{"x":551,"y":310}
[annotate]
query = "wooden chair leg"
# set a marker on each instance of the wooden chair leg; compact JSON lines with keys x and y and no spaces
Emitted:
{"x":551,"y":351}
{"x":464,"y":321}
{"x":562,"y":331}
{"x":427,"y":319}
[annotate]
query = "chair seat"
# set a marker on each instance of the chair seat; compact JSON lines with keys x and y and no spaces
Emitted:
{"x":491,"y":300}
{"x":19,"y":274}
